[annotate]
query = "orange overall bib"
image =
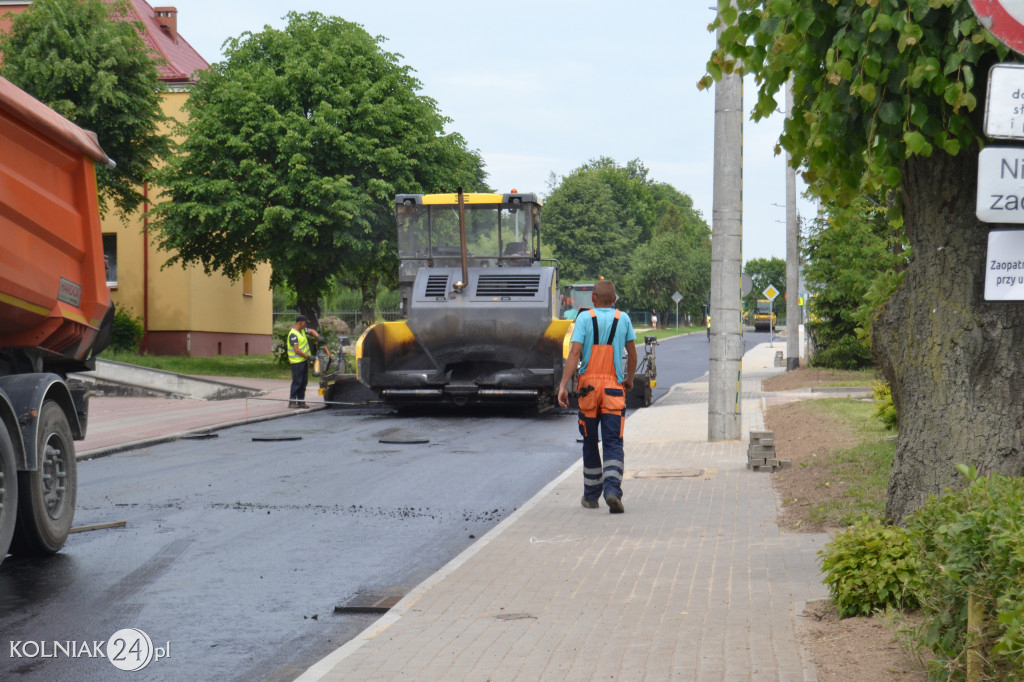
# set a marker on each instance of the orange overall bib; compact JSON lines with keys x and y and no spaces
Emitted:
{"x":602,"y":401}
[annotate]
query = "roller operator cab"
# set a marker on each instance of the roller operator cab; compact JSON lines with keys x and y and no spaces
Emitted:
{"x":481,"y":305}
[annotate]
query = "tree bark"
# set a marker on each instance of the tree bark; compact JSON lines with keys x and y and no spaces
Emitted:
{"x":311,"y":308}
{"x":955,"y":363}
{"x":368,"y":292}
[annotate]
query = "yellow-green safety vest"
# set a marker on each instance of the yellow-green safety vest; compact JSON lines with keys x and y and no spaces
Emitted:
{"x":294,"y":357}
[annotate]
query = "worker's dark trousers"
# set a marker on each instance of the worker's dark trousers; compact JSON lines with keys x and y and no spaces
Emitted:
{"x":300,"y":377}
{"x":602,"y":477}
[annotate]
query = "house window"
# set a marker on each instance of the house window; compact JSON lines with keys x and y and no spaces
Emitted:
{"x":110,"y":258}
{"x":247,"y":283}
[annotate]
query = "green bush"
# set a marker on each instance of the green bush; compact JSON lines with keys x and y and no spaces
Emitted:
{"x":126,"y":333}
{"x":845,"y":352}
{"x":886,"y":410}
{"x":972,"y":543}
{"x":869,"y":567}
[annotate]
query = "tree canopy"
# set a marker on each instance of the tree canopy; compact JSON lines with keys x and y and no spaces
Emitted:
{"x":762,"y":272}
{"x":885,"y":99}
{"x":676,"y":258}
{"x":88,"y":62}
{"x":847,"y":249}
{"x":293,"y":151}
{"x":613,"y":221}
{"x":874,"y":83}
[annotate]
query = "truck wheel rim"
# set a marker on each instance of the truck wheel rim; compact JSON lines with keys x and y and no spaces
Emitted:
{"x":54,"y":477}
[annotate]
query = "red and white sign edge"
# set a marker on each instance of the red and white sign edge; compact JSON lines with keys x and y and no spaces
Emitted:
{"x":1005,"y":24}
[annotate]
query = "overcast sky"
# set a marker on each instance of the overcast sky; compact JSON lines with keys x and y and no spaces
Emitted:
{"x":543,"y":87}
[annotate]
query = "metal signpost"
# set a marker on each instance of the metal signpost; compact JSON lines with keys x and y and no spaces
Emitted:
{"x":770,"y":293}
{"x":677,"y":297}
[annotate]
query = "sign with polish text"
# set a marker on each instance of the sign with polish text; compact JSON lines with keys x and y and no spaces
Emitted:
{"x":1004,"y":102}
{"x":1000,"y":196}
{"x":1004,"y":266}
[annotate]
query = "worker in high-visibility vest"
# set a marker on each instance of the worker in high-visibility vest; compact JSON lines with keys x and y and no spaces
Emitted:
{"x":298,"y":358}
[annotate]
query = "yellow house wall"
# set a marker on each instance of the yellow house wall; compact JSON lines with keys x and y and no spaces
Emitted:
{"x":183,"y":304}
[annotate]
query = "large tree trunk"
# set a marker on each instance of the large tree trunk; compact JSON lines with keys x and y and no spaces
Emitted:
{"x":309,"y":306}
{"x":368,"y":292}
{"x":955,"y":363}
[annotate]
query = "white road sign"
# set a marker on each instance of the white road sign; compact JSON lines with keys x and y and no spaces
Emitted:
{"x":1000,"y":185}
{"x":1004,"y":266}
{"x":1004,"y":103}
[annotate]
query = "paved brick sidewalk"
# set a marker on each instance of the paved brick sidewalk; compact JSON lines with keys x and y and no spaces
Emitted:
{"x":693,"y":582}
{"x":122,"y":423}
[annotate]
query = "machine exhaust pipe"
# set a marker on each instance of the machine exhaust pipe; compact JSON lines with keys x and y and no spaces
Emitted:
{"x":464,"y":282}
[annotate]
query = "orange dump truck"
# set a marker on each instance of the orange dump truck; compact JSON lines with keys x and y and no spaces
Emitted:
{"x":55,"y":315}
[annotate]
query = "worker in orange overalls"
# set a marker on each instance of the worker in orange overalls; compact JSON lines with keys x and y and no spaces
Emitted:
{"x":598,"y":341}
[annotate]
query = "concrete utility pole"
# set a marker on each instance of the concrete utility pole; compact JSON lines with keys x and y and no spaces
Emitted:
{"x":726,"y":353}
{"x":793,"y":310}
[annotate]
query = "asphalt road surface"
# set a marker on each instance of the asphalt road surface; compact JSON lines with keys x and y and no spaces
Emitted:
{"x":235,"y":552}
{"x":236,"y":549}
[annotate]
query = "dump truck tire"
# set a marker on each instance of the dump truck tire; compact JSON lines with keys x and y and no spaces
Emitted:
{"x":8,"y":492}
{"x":46,"y":504}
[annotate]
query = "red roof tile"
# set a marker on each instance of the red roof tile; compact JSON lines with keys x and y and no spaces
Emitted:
{"x":182,"y":60}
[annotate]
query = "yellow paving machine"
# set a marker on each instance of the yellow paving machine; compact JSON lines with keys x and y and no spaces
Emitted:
{"x":482,"y":309}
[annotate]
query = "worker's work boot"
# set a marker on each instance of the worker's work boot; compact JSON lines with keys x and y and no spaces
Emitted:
{"x":614,"y":504}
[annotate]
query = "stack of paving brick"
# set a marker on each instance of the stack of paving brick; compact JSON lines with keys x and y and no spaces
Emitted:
{"x":779,"y":361}
{"x":761,"y":452}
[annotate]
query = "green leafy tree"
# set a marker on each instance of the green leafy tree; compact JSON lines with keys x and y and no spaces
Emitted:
{"x":295,"y":147}
{"x":762,"y":272}
{"x":88,"y":62}
{"x":582,"y":221}
{"x":847,"y":249}
{"x":598,"y":214}
{"x":885,"y":98}
{"x":677,"y":258}
{"x":664,"y":265}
